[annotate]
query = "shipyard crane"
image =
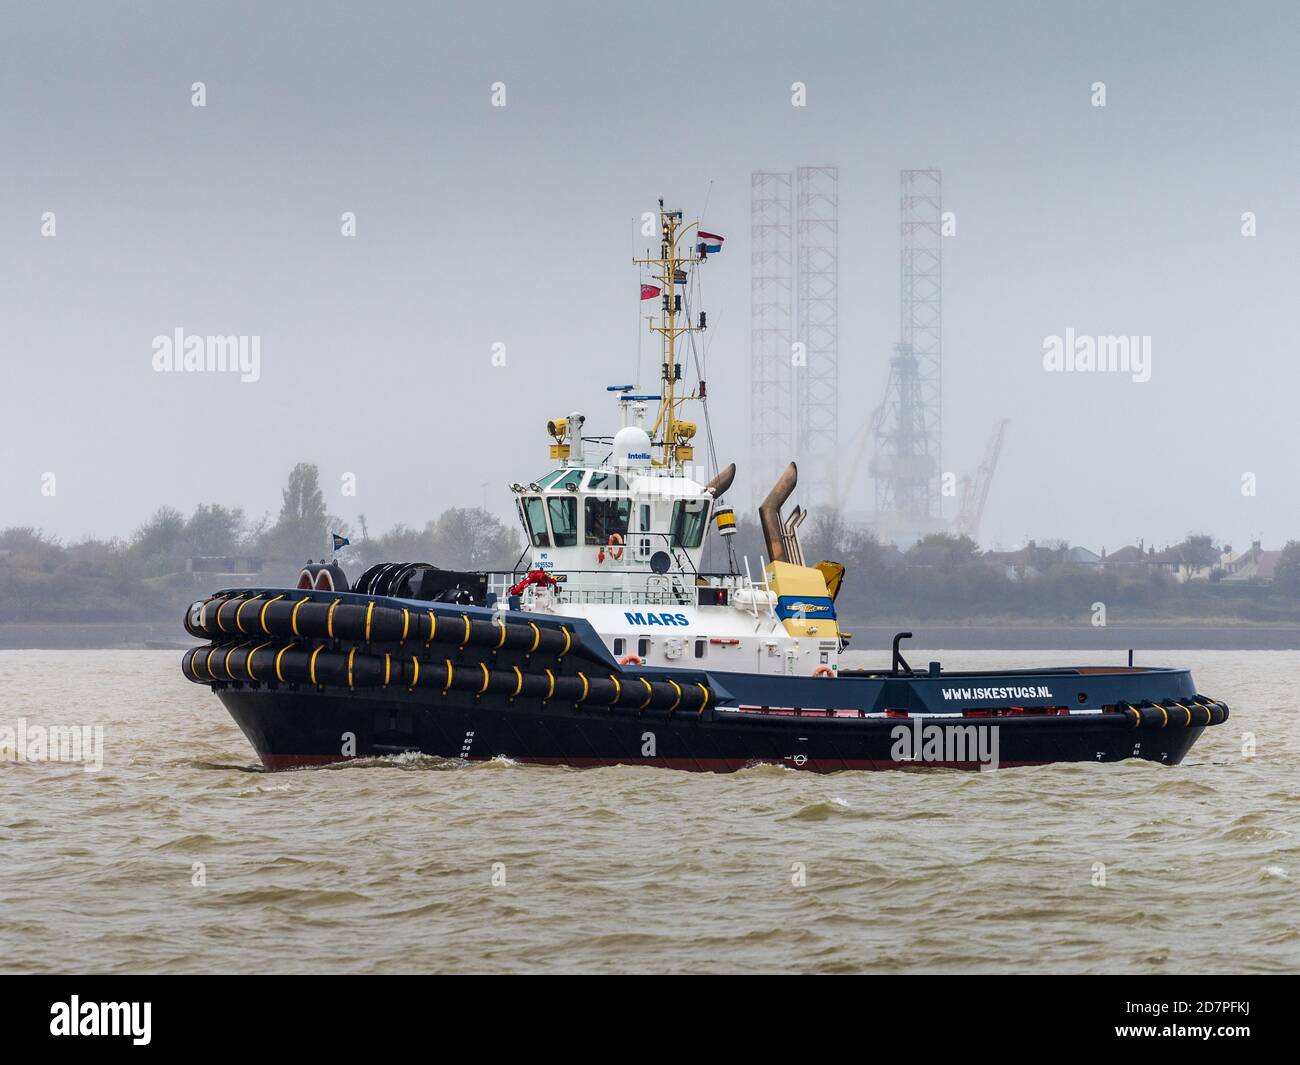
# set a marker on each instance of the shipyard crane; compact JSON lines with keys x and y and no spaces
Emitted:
{"x":856,"y":450}
{"x":975,"y":489}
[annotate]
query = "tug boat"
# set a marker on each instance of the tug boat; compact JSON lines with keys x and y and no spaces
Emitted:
{"x":608,"y":642}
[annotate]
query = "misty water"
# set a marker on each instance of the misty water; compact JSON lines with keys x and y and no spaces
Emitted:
{"x":182,"y":855}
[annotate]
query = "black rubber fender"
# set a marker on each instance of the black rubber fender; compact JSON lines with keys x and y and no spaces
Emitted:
{"x":1191,"y":713}
{"x":273,"y":661}
{"x":328,"y":618}
{"x":1155,"y":717}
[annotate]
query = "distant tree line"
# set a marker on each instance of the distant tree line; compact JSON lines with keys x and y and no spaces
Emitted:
{"x":940,"y":578}
{"x":147,"y":576}
{"x":948,"y":578}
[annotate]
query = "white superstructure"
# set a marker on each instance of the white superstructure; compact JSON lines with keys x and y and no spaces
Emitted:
{"x":616,"y":531}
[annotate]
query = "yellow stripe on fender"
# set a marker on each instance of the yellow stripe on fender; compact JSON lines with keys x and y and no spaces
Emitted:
{"x":388,"y":668}
{"x":433,"y":627}
{"x":586,"y":688}
{"x":551,"y":690}
{"x":225,"y":662}
{"x":676,"y":701}
{"x":706,"y":695}
{"x":207,"y":662}
{"x":649,"y":693}
{"x":568,"y":641}
{"x":406,"y":624}
{"x":465,"y":618}
{"x":537,"y":637}
{"x":261,"y":617}
{"x":248,"y":662}
{"x":1164,"y":714}
{"x":278,"y":675}
{"x":618,"y":690}
{"x":293,"y":618}
{"x":311,"y":670}
{"x":519,"y":682}
{"x":447,"y":687}
{"x":224,"y":604}
{"x":501,"y":642}
{"x":240,"y":609}
{"x":415,"y":662}
{"x":370,"y":610}
{"x":486,"y":677}
{"x":329,"y":618}
{"x":351,"y":655}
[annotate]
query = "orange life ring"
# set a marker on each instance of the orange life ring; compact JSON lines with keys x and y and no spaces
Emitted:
{"x":823,"y":671}
{"x":616,"y":553}
{"x":629,"y":660}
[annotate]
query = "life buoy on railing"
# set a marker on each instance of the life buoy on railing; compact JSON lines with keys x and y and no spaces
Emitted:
{"x":616,"y":553}
{"x":823,"y":671}
{"x":629,"y":660}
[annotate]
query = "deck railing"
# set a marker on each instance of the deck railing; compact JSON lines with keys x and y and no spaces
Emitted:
{"x":633,"y":587}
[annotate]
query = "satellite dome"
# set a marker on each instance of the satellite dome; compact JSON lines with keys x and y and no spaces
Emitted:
{"x":632,"y":446}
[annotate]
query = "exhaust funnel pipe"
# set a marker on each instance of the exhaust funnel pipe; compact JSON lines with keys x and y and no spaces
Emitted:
{"x":769,"y":512}
{"x":721,"y":482}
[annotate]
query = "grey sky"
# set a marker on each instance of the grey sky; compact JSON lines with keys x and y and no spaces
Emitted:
{"x":479,"y":224}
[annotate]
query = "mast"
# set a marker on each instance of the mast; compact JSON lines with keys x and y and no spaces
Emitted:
{"x":672,"y":433}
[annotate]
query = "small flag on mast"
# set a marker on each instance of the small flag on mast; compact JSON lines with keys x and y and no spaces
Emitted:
{"x":340,"y":542}
{"x":649,"y":292}
{"x":710,"y":243}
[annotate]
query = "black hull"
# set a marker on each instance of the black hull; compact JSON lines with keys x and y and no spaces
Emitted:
{"x":291,"y":729}
{"x":313,"y":681}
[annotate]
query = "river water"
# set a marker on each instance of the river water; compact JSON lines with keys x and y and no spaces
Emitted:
{"x":180,"y":855}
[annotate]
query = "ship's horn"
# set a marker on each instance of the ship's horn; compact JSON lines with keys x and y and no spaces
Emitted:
{"x":769,"y":512}
{"x":721,"y":482}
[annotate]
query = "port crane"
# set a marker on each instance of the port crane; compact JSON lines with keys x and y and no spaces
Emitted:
{"x":974,"y":491}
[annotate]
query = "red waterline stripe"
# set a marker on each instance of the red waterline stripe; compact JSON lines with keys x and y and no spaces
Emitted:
{"x":708,"y":765}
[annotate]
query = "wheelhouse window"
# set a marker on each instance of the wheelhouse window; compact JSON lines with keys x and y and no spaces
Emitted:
{"x":603,"y":481}
{"x":605,"y":518}
{"x":535,"y":520}
{"x":564,"y":520}
{"x":690,"y":518}
{"x":561,"y":481}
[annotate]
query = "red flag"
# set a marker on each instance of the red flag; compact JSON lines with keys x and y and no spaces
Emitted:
{"x":649,"y":292}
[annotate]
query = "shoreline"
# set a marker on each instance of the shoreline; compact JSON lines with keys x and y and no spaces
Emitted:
{"x":1048,"y":637}
{"x":143,"y":635}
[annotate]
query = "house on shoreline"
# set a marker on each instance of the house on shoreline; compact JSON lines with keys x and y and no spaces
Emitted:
{"x":1193,"y":560}
{"x":1253,"y":564}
